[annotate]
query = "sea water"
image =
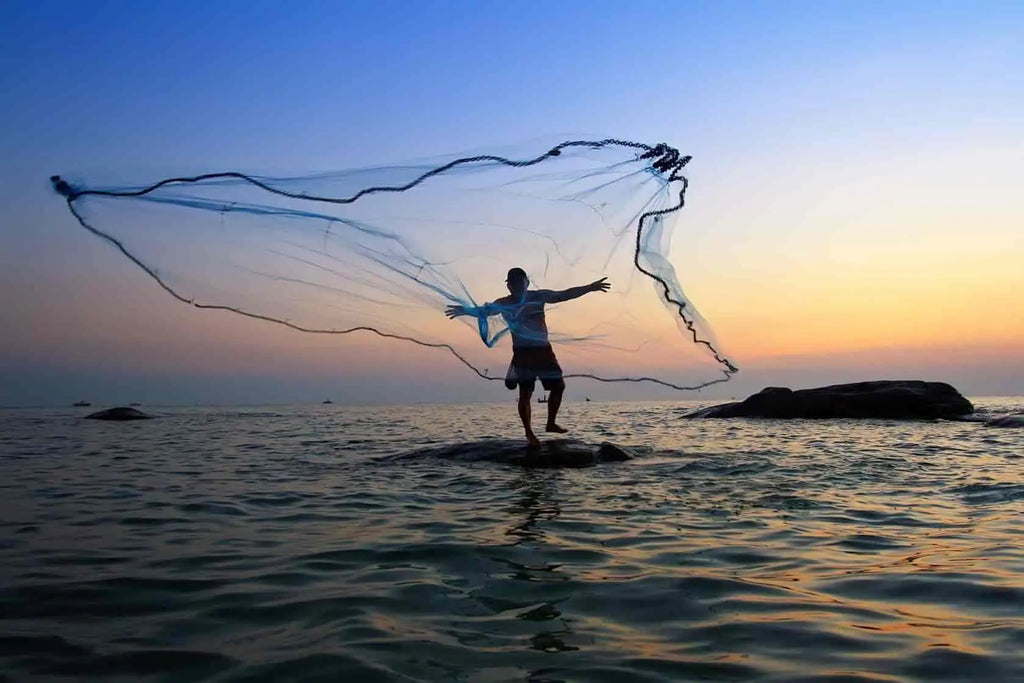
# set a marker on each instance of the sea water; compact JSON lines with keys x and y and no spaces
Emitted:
{"x":297,"y":544}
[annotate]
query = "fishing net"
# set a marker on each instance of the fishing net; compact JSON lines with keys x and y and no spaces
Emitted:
{"x":384,"y":251}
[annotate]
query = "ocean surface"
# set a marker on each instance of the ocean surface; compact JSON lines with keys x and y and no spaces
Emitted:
{"x":304,"y":544}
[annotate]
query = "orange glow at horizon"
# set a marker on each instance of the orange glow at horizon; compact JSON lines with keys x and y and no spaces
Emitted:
{"x":851,"y":261}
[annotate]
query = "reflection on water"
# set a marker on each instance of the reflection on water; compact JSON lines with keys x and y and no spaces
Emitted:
{"x":535,"y":503}
{"x":279,"y":544}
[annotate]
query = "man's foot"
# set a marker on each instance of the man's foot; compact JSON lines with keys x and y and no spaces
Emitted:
{"x":552,"y":427}
{"x":532,"y":441}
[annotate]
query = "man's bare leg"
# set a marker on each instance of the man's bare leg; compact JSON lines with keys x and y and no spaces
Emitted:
{"x":525,"y":393}
{"x":554,"y":403}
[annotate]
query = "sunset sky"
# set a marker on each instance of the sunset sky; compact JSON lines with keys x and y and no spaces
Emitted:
{"x":854,"y":209}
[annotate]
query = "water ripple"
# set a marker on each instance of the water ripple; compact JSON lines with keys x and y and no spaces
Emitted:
{"x":291,"y":544}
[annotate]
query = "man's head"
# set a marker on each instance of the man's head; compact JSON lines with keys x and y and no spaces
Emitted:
{"x":517,"y":281}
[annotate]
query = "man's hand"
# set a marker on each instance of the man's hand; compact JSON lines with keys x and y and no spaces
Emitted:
{"x":455,"y":311}
{"x":601,"y":285}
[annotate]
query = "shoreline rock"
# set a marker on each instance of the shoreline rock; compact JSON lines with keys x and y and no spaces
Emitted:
{"x":881,"y":399}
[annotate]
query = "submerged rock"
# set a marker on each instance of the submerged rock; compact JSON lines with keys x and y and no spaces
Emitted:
{"x":883,"y":399}
{"x":554,"y":453}
{"x":119,"y":414}
{"x":609,"y":452}
{"x":1006,"y":421}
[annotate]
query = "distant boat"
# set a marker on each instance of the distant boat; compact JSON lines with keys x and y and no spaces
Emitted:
{"x":542,"y":399}
{"x":81,"y":404}
{"x":135,"y":404}
{"x":328,"y":401}
{"x":588,"y":398}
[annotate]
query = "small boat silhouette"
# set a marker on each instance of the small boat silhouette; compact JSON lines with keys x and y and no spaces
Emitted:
{"x":542,"y":399}
{"x":81,"y":404}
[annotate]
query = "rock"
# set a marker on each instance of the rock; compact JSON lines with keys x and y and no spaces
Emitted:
{"x":119,"y":414}
{"x":553,"y":453}
{"x":883,"y":399}
{"x":1006,"y":421}
{"x":609,"y":452}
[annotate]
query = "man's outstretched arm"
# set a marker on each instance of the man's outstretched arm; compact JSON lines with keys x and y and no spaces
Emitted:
{"x":554,"y":297}
{"x":456,"y":311}
{"x":477,"y":311}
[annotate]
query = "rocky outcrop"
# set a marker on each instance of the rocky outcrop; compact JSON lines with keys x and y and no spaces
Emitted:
{"x":119,"y":414}
{"x":553,"y":453}
{"x":883,"y":399}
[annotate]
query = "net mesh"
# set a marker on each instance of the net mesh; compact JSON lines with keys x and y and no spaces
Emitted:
{"x":387,"y":250}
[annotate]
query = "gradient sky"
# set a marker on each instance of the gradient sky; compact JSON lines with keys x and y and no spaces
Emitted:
{"x":854,"y":209}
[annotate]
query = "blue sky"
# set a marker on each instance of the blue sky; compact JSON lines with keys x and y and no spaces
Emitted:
{"x":788,"y":108}
{"x":262,"y":83}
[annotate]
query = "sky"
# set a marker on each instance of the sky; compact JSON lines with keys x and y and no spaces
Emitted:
{"x":852,"y":214}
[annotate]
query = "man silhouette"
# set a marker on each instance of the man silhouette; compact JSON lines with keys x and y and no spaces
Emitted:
{"x":532,"y":355}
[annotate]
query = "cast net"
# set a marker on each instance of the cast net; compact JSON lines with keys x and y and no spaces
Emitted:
{"x":383,"y":251}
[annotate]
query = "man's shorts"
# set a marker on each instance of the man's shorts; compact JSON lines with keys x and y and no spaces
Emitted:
{"x":530,"y":363}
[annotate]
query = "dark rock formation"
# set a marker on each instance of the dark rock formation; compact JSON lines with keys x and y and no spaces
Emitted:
{"x":883,"y":399}
{"x":118,"y":414}
{"x":554,"y":453}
